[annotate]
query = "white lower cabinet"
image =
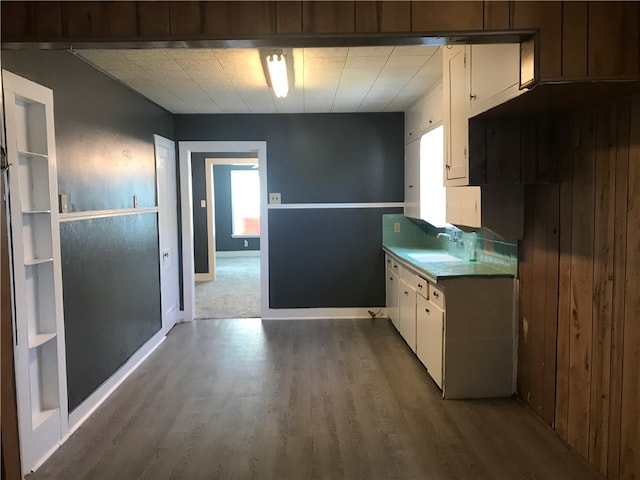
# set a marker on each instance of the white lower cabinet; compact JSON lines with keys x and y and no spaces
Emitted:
{"x":462,"y":329}
{"x":408,"y":312}
{"x":391,"y":287}
{"x":429,"y":337}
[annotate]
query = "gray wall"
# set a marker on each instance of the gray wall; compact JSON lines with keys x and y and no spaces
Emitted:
{"x":321,"y":158}
{"x":110,"y":269}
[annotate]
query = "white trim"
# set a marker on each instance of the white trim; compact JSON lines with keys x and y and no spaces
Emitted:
{"x":78,"y":416}
{"x":324,"y":313}
{"x":288,"y":206}
{"x":185,"y":150}
{"x":246,"y":235}
{"x":210,"y":195}
{"x":88,"y":215}
{"x":239,"y":253}
{"x":233,"y":161}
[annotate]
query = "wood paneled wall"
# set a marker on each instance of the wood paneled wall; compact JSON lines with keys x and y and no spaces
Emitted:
{"x":576,"y":39}
{"x":579,"y":359}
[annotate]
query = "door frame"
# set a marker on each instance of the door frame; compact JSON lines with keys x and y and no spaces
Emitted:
{"x":210,"y":198}
{"x":186,"y":197}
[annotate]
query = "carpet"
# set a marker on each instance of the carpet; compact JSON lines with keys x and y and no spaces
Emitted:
{"x":235,"y":293}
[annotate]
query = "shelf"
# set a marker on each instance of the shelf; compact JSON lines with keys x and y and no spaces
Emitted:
{"x":33,"y":155}
{"x":38,"y":418}
{"x":40,"y":339}
{"x":35,"y":212}
{"x":37,"y":261}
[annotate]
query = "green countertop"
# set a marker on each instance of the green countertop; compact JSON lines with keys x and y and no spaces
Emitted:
{"x":442,"y":264}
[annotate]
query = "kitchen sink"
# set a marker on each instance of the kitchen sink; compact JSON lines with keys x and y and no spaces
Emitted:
{"x":435,"y":257}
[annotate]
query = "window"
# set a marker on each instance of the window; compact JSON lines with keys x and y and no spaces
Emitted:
{"x":245,"y":203}
{"x":432,"y":191}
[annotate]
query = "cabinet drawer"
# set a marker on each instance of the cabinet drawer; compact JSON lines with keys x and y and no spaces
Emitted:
{"x":436,"y":295}
{"x":422,"y":286}
{"x":392,"y":264}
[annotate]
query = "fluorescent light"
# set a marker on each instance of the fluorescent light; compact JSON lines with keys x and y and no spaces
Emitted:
{"x":278,"y":73}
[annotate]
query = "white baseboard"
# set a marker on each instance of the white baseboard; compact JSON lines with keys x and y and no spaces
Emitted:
{"x":239,"y":253}
{"x":86,"y":408}
{"x":323,"y":313}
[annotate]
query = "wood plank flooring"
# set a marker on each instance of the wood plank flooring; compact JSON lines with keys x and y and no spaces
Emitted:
{"x":302,"y":399}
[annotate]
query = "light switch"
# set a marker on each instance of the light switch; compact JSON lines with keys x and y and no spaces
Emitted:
{"x":203,"y":203}
{"x":396,"y":227}
{"x":274,"y":198}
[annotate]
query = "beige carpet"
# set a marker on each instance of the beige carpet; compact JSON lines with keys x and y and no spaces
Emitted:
{"x":235,"y":293}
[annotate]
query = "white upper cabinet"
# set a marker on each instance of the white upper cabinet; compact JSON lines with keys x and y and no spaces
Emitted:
{"x":494,"y":75}
{"x":496,"y":207}
{"x":424,"y":114}
{"x":456,"y":115}
{"x":476,"y":78}
{"x":412,"y":179}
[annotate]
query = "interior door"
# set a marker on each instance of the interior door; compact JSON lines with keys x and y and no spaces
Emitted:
{"x":167,"y":230}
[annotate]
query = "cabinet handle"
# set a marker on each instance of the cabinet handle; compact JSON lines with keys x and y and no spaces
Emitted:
{"x":448,"y":167}
{"x":406,"y":293}
{"x":410,"y":186}
{"x":472,"y":97}
{"x":420,"y":286}
{"x":395,"y":266}
{"x":426,"y":310}
{"x":435,"y":294}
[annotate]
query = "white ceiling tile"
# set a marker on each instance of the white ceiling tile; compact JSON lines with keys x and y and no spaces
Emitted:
{"x":189,"y":54}
{"x":326,"y":52}
{"x":422,"y":50}
{"x":146,"y":55}
{"x":398,"y":72}
{"x":370,"y":51}
{"x":407,"y":61}
{"x":365,"y":62}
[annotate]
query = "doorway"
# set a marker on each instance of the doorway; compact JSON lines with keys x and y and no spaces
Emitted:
{"x":186,"y":149}
{"x":228,"y":282}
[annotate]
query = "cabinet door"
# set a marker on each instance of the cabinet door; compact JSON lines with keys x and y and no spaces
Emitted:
{"x":429,"y":337}
{"x":464,"y":206}
{"x":456,"y":101}
{"x":37,"y":276}
{"x":494,"y":75}
{"x":407,"y":303}
{"x":412,"y":180}
{"x":392,"y":286}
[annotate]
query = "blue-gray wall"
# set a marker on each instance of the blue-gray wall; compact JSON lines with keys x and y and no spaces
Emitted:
{"x":110,"y":268}
{"x":321,"y":257}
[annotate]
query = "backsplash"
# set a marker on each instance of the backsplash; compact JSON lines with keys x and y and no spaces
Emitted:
{"x":490,"y":248}
{"x":401,"y":231}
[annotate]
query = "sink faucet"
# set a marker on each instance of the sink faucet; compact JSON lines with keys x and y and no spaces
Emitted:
{"x":440,"y":235}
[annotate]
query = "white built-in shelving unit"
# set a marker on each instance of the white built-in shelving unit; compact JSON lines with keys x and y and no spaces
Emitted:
{"x":36,"y":269}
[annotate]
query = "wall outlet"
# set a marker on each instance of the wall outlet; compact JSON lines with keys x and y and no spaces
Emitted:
{"x":135,"y":201}
{"x":246,"y":243}
{"x":63,"y":203}
{"x":396,"y":227}
{"x":274,"y":198}
{"x":203,"y":204}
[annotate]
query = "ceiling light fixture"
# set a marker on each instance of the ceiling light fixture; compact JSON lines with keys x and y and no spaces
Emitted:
{"x":277,"y":66}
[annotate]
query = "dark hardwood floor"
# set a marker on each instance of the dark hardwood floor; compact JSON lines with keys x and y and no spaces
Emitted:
{"x":341,"y":399}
